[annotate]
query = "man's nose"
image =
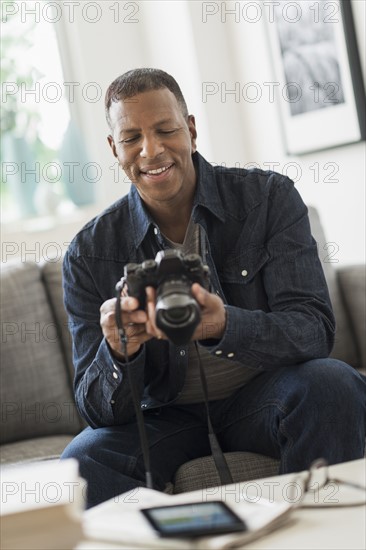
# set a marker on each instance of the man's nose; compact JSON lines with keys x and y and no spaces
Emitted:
{"x":151,"y":147}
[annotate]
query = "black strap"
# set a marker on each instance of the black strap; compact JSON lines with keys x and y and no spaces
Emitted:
{"x":134,"y":393}
{"x":217,"y":454}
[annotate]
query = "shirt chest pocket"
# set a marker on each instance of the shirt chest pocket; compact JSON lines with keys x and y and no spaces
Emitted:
{"x":241,"y":278}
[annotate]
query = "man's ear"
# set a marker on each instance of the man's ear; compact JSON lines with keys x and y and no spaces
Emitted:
{"x":112,"y":145}
{"x":193,"y":132}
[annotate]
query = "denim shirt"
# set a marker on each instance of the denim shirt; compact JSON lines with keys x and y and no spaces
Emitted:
{"x":264,"y":265}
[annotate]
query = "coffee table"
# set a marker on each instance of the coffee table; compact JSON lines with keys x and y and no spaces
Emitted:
{"x":334,"y":528}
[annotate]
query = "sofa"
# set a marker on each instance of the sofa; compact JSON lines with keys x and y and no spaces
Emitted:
{"x":38,"y":413}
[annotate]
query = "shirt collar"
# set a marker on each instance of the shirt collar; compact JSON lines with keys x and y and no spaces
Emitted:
{"x":140,"y":218}
{"x":207,"y":196}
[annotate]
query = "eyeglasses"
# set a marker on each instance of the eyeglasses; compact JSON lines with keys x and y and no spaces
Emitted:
{"x":319,"y":490}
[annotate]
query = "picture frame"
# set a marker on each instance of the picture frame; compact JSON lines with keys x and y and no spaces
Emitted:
{"x":317,"y":75}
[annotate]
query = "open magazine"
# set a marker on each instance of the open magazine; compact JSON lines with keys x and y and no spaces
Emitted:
{"x":120,"y":520}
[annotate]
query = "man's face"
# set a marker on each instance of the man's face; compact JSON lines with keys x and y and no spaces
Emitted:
{"x":153,"y":143}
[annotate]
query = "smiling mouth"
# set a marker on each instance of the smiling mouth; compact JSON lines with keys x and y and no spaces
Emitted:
{"x":157,"y":171}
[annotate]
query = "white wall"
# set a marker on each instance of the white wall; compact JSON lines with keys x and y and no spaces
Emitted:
{"x":173,"y":35}
{"x":341,"y":203}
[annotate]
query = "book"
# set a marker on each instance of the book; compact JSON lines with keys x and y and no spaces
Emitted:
{"x":41,"y":506}
{"x":119,"y":520}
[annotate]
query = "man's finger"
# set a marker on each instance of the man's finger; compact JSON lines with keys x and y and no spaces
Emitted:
{"x":151,"y":327}
{"x":200,"y":294}
{"x":129,"y":303}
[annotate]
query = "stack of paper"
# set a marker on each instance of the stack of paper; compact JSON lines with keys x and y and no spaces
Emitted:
{"x":41,"y":506}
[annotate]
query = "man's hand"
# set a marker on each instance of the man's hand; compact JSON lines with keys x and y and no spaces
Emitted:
{"x":213,"y":314}
{"x":134,"y":323}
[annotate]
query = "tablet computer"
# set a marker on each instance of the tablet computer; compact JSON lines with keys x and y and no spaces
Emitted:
{"x":196,"y":519}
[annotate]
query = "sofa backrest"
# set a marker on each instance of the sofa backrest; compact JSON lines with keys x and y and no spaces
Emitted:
{"x":352,"y":283}
{"x":52,"y":279}
{"x":344,"y":346}
{"x":36,"y":394}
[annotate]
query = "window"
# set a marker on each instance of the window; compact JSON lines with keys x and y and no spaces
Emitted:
{"x":43,"y":159}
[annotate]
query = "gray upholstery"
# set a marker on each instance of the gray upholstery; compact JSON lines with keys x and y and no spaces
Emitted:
{"x":31,"y":450}
{"x":352,"y":286}
{"x":35,"y":391}
{"x":344,"y":348}
{"x":38,"y":413}
{"x":52,"y":278}
{"x":201,"y":473}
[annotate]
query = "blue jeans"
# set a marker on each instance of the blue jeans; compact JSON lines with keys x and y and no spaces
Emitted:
{"x":296,"y":414}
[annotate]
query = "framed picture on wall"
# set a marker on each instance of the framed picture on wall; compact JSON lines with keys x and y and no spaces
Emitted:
{"x":317,"y":74}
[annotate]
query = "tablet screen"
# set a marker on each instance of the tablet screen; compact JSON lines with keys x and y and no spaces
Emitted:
{"x":194,"y":519}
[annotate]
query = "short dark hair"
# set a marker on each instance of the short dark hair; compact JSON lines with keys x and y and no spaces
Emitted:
{"x":142,"y":80}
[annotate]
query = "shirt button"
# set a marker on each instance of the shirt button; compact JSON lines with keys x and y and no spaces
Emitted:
{"x":230,"y":354}
{"x":218,"y":352}
{"x":115,"y":375}
{"x":112,"y":402}
{"x":182,"y":353}
{"x":156,"y":230}
{"x":244,"y":273}
{"x":114,"y":366}
{"x":143,"y":406}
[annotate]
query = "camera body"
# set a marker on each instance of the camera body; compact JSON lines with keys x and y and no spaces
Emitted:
{"x":172,"y":274}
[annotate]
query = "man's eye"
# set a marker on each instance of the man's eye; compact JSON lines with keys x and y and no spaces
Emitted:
{"x":167,"y":131}
{"x":129,"y":140}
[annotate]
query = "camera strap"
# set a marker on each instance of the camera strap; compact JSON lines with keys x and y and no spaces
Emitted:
{"x":134,"y":392}
{"x":217,"y":454}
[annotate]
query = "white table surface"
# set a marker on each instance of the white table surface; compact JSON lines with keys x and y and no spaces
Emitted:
{"x":335,"y":528}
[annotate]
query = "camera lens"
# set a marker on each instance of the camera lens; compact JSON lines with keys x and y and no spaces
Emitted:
{"x":177,"y":312}
{"x":177,"y":315}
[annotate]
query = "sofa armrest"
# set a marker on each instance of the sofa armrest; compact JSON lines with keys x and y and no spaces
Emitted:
{"x":352,"y":284}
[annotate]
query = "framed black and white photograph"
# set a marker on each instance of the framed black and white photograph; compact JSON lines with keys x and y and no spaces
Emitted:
{"x":317,"y":74}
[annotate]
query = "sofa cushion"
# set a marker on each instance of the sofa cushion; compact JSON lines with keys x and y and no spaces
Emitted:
{"x":352,"y":281}
{"x":52,"y":278}
{"x":201,"y":473}
{"x":31,"y":450}
{"x":35,"y":392}
{"x":344,"y":345}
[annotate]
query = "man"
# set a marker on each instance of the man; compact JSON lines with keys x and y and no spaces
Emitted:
{"x":266,"y":327}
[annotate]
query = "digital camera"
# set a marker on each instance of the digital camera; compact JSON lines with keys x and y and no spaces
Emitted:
{"x":172,"y":274}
